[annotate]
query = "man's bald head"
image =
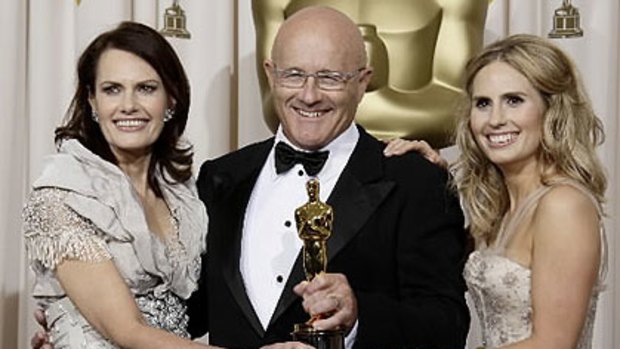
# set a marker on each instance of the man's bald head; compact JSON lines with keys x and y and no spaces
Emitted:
{"x":321,"y":24}
{"x":317,"y":40}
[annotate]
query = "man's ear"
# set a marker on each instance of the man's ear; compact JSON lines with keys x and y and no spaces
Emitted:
{"x":364,"y":81}
{"x":268,"y":67}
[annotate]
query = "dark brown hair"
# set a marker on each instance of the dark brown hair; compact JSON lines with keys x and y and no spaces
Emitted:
{"x":171,"y":157}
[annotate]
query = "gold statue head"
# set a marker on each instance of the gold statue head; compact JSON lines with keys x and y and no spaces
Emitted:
{"x":313,"y":189}
{"x":417,"y":49}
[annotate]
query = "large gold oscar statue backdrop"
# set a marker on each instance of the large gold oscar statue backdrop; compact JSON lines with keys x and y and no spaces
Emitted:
{"x":418,"y":49}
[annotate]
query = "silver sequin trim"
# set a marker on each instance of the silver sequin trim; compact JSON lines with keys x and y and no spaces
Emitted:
{"x":165,"y":311}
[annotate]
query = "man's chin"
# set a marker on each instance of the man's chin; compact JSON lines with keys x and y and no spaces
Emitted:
{"x":310,"y":144}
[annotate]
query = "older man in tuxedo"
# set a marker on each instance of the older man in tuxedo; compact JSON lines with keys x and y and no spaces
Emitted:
{"x":397,"y":248}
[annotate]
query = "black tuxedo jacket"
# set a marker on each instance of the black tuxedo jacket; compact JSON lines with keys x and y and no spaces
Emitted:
{"x":398,"y":237}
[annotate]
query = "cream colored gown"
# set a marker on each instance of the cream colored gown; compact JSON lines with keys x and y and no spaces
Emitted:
{"x":500,"y":287}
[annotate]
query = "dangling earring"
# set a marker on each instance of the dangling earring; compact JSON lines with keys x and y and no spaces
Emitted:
{"x":168,"y":114}
{"x":95,"y":116}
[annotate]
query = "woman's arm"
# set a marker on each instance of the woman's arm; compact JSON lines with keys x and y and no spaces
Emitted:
{"x":60,"y":240}
{"x":103,"y":298}
{"x":566,"y":249}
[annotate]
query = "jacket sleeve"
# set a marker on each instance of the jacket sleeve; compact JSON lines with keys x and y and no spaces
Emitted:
{"x":197,"y":305}
{"x":427,"y":308}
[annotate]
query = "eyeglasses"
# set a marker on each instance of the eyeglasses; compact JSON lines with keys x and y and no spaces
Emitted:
{"x":324,"y":80}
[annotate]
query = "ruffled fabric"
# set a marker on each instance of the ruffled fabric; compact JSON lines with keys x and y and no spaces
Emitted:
{"x":102,"y":194}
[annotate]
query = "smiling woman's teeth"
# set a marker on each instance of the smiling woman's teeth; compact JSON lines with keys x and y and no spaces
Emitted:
{"x":130,"y":123}
{"x":309,"y":114}
{"x":503,"y":138}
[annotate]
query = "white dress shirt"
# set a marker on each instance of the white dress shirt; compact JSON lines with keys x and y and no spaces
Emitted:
{"x":270,"y":243}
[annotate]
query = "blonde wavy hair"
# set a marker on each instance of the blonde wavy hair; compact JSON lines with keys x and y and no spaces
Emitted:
{"x":571,"y":132}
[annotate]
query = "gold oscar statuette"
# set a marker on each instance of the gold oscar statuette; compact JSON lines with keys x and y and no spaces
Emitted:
{"x":314,"y":221}
{"x":566,"y":22}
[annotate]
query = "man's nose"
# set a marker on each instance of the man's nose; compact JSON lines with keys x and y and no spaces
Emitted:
{"x":310,"y":92}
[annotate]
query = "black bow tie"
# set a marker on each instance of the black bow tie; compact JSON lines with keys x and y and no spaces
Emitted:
{"x":287,"y":157}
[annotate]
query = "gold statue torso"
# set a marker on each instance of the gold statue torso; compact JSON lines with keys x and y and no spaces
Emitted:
{"x":314,"y":222}
{"x":418,"y":49}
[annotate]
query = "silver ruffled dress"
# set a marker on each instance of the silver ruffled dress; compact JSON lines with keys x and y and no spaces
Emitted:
{"x":84,"y":208}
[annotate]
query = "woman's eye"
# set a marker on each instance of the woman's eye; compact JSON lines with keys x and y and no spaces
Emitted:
{"x":482,"y":103}
{"x":514,"y":100}
{"x":111,"y":90}
{"x":148,"y":89}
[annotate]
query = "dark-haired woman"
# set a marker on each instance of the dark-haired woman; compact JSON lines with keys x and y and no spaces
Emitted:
{"x":533,"y":188}
{"x":113,"y":227}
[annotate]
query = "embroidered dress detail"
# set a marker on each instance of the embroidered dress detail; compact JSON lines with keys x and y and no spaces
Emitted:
{"x":500,"y":287}
{"x":54,"y":232}
{"x":165,"y":311}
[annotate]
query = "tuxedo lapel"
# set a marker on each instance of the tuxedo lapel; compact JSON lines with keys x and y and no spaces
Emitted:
{"x":240,"y":180}
{"x":354,"y":203}
{"x":357,"y":194}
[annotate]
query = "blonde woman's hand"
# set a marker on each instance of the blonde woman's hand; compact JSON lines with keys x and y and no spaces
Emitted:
{"x":399,"y":146}
{"x":40,"y":339}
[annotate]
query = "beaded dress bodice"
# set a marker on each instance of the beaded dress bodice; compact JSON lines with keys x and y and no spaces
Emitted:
{"x":501,"y":287}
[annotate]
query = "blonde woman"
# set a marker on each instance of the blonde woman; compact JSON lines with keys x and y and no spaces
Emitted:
{"x":532,"y":187}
